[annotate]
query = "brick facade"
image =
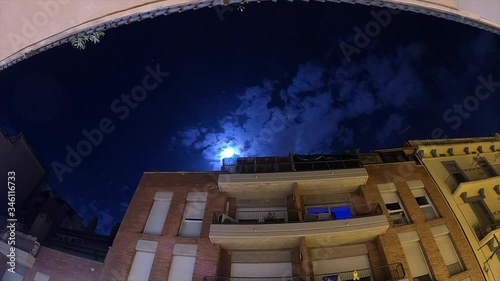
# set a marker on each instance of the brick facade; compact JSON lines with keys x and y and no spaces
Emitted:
{"x":388,"y":244}
{"x":120,"y":257}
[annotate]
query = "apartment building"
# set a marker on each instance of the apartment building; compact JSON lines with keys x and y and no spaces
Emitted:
{"x":423,"y":234}
{"x":467,"y":173}
{"x":65,"y":254}
{"x":298,"y":217}
{"x":31,"y":176}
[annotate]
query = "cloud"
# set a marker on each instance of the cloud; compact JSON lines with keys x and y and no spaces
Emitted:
{"x":311,"y":113}
{"x":123,"y":206}
{"x":392,"y":125}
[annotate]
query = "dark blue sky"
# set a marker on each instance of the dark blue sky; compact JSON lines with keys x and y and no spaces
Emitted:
{"x":268,"y":80}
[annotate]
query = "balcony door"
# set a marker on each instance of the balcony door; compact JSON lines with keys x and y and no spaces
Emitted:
{"x":481,"y":212}
{"x":486,"y":167}
{"x":455,"y":171}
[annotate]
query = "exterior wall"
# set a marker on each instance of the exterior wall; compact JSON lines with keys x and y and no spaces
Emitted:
{"x":120,"y":257}
{"x":17,"y":156}
{"x":61,"y":266}
{"x":388,"y":243}
{"x":463,"y":212}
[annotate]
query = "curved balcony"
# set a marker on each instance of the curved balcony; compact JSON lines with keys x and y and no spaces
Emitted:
{"x":333,"y":225}
{"x":387,"y":272}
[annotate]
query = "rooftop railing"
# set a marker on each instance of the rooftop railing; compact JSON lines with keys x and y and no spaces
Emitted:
{"x":23,"y":242}
{"x":283,"y":164}
{"x":329,"y":212}
{"x":386,"y":272}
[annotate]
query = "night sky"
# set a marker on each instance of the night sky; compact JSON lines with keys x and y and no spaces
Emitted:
{"x":265,"y":81}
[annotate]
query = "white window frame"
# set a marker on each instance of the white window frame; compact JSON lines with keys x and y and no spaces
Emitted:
{"x":420,"y":192}
{"x":193,"y":198}
{"x":156,"y":221}
{"x":401,"y":210}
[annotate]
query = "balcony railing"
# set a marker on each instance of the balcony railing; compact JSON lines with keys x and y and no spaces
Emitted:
{"x":497,"y":168}
{"x":284,"y":164}
{"x":386,"y":272}
{"x":294,"y":216}
{"x":23,"y":242}
{"x":483,"y":229}
{"x":473,"y":174}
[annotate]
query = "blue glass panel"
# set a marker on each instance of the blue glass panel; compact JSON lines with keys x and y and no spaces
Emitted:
{"x":319,"y":210}
{"x":341,"y":212}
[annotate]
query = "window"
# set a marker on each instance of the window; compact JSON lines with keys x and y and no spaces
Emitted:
{"x":447,"y":249}
{"x":143,"y":260}
{"x":183,"y":261}
{"x":193,"y":214}
{"x":456,"y":174}
{"x":395,"y":208}
{"x":158,"y":214}
{"x":415,"y":256}
{"x":425,"y":204}
{"x":486,"y":167}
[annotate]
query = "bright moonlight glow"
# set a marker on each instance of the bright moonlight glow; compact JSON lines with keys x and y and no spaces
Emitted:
{"x":228,"y":152}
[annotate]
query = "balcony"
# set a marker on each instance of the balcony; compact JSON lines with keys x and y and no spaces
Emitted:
{"x":484,"y":230}
{"x":295,"y":163}
{"x":26,"y":247}
{"x":281,"y":229}
{"x":472,"y":175}
{"x":388,"y":272}
{"x":23,"y":242}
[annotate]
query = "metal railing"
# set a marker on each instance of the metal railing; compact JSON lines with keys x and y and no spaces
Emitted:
{"x":23,"y":242}
{"x":472,"y":174}
{"x":281,"y":164}
{"x":483,"y":229}
{"x":497,"y":168}
{"x":452,"y":183}
{"x":399,"y":218}
{"x":297,"y":215}
{"x":387,"y":272}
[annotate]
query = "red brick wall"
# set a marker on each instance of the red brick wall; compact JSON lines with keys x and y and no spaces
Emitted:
{"x":389,"y":244}
{"x":63,"y":267}
{"x":120,"y":257}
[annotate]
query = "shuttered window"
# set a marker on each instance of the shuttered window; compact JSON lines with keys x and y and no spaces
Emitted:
{"x":416,"y":260}
{"x":182,"y":268}
{"x":143,"y":260}
{"x":449,"y":254}
{"x":395,"y":208}
{"x":158,"y":213}
{"x":425,"y":204}
{"x":193,"y":215}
